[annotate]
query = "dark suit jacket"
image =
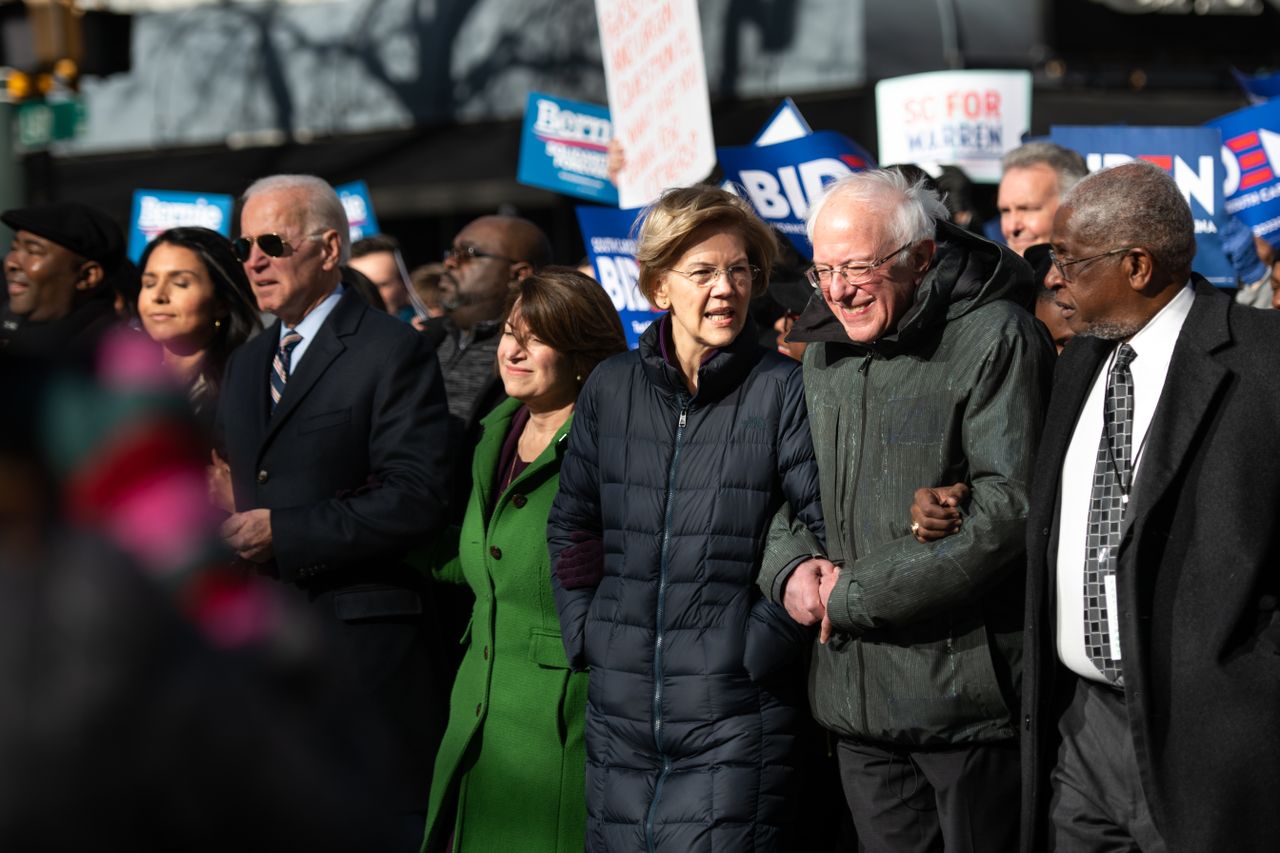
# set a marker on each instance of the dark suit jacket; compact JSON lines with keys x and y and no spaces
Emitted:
{"x":1197,"y":581}
{"x":353,"y":466}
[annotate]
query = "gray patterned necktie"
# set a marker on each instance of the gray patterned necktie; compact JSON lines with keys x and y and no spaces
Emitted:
{"x":280,"y":366}
{"x":1112,"y":479}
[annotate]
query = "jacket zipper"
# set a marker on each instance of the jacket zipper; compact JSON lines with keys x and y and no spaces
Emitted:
{"x":863,"y":368}
{"x":659,"y":634}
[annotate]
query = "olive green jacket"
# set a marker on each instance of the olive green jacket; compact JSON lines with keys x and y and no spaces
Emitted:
{"x":927,"y":642}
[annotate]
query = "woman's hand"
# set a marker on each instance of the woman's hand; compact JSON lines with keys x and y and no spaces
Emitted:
{"x":582,"y":563}
{"x":936,"y":512}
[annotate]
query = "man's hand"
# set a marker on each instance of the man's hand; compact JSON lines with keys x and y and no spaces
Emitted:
{"x":936,"y":512}
{"x":825,"y":586}
{"x":800,"y":594}
{"x":218,"y":475}
{"x":249,"y":535}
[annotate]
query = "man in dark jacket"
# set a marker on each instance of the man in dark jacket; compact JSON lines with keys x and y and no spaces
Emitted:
{"x":923,"y":367}
{"x":57,"y":273}
{"x":1152,"y":700}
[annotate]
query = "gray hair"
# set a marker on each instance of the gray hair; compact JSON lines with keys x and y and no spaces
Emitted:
{"x":913,"y":209}
{"x":1135,"y":204}
{"x":1068,"y":165}
{"x":323,"y":209}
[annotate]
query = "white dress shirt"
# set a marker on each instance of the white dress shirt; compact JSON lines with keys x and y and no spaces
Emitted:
{"x":310,"y":325}
{"x":1153,"y":346}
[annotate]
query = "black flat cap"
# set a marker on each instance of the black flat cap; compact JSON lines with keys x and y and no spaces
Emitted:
{"x":84,"y":230}
{"x":1038,"y":257}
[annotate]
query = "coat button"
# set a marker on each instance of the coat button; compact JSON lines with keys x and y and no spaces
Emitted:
{"x":519,"y":501}
{"x":495,"y":552}
{"x":263,"y":476}
{"x":485,"y":653}
{"x":1044,"y":531}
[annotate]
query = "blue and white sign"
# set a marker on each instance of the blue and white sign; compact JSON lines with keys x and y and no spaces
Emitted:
{"x":610,"y":238}
{"x":1259,"y":87}
{"x":784,"y":125}
{"x":565,"y":148}
{"x":782,"y":180}
{"x":359,"y":207}
{"x":1190,"y":154}
{"x":159,"y":210}
{"x":1251,"y":155}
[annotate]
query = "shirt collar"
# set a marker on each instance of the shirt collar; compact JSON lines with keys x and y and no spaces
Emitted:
{"x":1161,"y":332}
{"x":310,"y":324}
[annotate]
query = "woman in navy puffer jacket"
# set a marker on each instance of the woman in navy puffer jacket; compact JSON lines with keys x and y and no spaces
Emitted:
{"x":680,"y":455}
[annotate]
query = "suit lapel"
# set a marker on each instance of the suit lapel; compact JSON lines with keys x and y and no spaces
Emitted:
{"x":1190,"y":391}
{"x":321,"y":353}
{"x":260,"y":360}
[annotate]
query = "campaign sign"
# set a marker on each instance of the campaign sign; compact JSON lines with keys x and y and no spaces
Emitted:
{"x":610,"y":238}
{"x":159,"y":210}
{"x":782,"y":180}
{"x":784,"y":125}
{"x":565,"y":148}
{"x":1190,"y":154}
{"x":1259,"y":87}
{"x":656,"y":77}
{"x":1251,"y":157}
{"x":966,"y":118}
{"x":355,"y":200}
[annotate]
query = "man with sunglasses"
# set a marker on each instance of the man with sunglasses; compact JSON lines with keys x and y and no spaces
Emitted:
{"x":335,"y":427}
{"x":923,"y":366}
{"x":486,"y":257}
{"x":1151,"y":689}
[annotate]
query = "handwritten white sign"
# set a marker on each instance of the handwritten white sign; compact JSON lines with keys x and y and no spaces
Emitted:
{"x":966,"y":118}
{"x":657,"y":83}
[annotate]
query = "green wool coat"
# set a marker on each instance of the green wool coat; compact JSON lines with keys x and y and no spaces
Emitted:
{"x":513,"y":752}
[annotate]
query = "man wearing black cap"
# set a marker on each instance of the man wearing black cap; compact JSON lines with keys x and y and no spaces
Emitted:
{"x":56,"y":274}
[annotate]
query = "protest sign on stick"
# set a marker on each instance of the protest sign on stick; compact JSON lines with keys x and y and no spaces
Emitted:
{"x":657,"y":83}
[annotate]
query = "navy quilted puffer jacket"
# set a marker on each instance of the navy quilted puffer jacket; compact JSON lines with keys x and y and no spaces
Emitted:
{"x":690,"y":715}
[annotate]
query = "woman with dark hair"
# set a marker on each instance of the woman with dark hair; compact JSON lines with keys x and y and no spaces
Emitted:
{"x":681,"y":455}
{"x":196,"y":303}
{"x":509,"y":771}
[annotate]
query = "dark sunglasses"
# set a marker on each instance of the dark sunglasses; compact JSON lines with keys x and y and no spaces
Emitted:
{"x":272,"y":245}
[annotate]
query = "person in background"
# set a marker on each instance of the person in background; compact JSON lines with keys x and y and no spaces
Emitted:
{"x":376,"y":258}
{"x":680,"y":455}
{"x":528,"y":734}
{"x":487,"y":257}
{"x":426,"y":283}
{"x":196,"y":303}
{"x":58,"y":274}
{"x":1048,"y":311}
{"x":1034,"y":177}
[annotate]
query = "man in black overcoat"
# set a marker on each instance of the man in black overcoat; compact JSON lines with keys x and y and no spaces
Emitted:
{"x":1151,"y":687}
{"x":335,"y":427}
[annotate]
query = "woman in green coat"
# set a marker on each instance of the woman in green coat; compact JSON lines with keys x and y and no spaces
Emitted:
{"x":509,"y":773}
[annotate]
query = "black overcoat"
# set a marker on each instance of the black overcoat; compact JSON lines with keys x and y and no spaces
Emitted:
{"x":1197,"y":580}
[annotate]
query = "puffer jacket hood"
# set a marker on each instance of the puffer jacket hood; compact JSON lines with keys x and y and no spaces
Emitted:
{"x":967,"y":273}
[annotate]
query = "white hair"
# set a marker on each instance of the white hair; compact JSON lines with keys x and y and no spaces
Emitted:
{"x":912,"y":208}
{"x":322,"y":210}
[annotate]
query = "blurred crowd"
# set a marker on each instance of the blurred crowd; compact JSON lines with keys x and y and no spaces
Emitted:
{"x":948,"y":540}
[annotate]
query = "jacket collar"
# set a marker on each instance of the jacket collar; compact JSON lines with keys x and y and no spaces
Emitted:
{"x":717,"y":376}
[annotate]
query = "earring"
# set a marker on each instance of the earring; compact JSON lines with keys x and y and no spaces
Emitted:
{"x":217,"y":324}
{"x":578,"y":377}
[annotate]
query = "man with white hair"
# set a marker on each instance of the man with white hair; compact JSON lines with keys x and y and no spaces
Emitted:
{"x":923,"y":367}
{"x":335,"y":427}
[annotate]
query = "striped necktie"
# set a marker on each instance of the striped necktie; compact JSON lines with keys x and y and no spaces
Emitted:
{"x":280,"y":365}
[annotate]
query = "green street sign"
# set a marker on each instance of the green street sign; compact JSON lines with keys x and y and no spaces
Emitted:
{"x":42,"y":122}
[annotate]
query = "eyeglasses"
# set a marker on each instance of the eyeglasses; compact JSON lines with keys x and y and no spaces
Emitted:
{"x":854,"y":272}
{"x":272,"y":245}
{"x":737,"y":275}
{"x":463,"y":254}
{"x":1061,"y":265}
